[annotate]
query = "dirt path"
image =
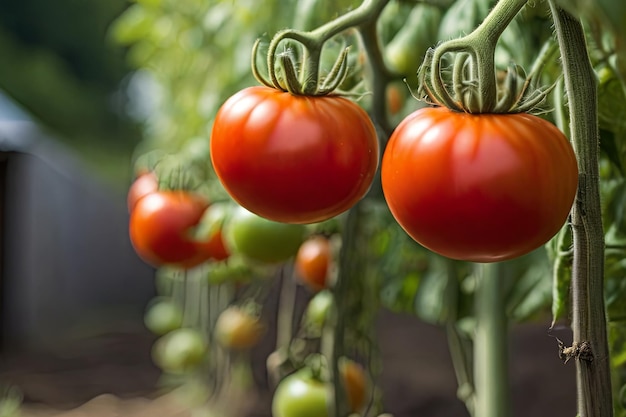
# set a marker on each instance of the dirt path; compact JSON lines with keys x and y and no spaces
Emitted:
{"x":113,"y":376}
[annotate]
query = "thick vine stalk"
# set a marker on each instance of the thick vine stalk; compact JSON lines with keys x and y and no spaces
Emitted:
{"x":590,"y":345}
{"x":491,"y":376}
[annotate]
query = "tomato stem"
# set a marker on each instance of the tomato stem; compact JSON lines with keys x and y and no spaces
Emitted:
{"x":479,"y":92}
{"x":490,"y":344}
{"x":309,"y":80}
{"x":589,"y":324}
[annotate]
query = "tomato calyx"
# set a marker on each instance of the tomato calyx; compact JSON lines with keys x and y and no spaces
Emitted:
{"x":472,"y":84}
{"x":309,"y":81}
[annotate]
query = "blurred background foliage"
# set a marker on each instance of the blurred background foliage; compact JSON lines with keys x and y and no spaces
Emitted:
{"x":60,"y":65}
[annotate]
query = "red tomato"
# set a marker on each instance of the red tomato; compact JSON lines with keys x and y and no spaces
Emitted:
{"x":160,"y":227}
{"x":143,"y":185}
{"x":215,"y":247}
{"x":312,"y":262}
{"x":356,"y":383}
{"x":293,"y":159}
{"x":479,"y":187}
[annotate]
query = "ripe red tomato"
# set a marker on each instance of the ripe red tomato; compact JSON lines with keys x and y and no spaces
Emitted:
{"x":160,"y":226}
{"x":356,"y":384}
{"x":479,"y":187}
{"x":293,"y":159}
{"x":313,"y":261}
{"x":146,"y":183}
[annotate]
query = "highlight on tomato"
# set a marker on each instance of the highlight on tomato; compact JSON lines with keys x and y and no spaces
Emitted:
{"x":479,"y":187}
{"x":145,"y":183}
{"x":292,"y":158}
{"x":313,"y":262}
{"x":161,"y":230}
{"x":238,"y":329}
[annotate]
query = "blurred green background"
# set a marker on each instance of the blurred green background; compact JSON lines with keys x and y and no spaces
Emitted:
{"x":59,"y":64}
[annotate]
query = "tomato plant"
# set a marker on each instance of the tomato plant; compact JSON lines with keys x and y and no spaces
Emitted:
{"x":486,"y":186}
{"x":238,"y":329}
{"x":261,"y":239}
{"x":161,"y":230}
{"x":313,"y":261}
{"x":293,"y":159}
{"x":182,"y":350}
{"x":482,"y":188}
{"x":163,"y":316}
{"x":300,"y":395}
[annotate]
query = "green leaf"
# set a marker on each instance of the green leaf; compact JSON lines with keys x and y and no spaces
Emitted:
{"x":559,"y":251}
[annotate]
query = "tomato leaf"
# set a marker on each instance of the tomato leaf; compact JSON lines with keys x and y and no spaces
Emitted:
{"x":531,"y":292}
{"x":559,"y":251}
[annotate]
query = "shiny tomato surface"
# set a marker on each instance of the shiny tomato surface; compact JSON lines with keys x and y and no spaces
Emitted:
{"x":480,"y":188}
{"x":160,"y":228}
{"x":293,"y":159}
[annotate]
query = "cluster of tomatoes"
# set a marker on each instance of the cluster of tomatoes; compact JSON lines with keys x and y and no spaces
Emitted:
{"x":180,"y":229}
{"x":481,"y":188}
{"x":474,"y":187}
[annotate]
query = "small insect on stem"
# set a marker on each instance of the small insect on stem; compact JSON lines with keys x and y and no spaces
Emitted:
{"x":580,"y":351}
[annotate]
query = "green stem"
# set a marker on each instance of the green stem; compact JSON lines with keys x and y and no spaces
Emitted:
{"x":481,"y":45}
{"x":459,"y":345}
{"x":490,"y":345}
{"x":334,"y":337}
{"x":313,"y":42}
{"x":588,"y":312}
{"x":380,"y":77}
{"x":362,"y":14}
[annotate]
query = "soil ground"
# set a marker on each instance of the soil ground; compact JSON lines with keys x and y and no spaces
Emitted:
{"x":112,"y":376}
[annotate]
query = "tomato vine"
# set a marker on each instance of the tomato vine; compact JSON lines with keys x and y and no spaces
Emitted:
{"x":463,"y":71}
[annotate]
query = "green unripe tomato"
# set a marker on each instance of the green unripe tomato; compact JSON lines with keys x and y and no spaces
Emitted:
{"x":316,"y":312}
{"x":260,"y":239}
{"x":300,"y":395}
{"x":180,"y":351}
{"x":162,"y":316}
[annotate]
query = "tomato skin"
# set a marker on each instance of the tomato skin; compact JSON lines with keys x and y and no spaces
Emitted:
{"x":293,"y":159}
{"x":260,"y":239}
{"x":238,"y":330}
{"x":163,"y":316}
{"x":160,"y":226}
{"x":215,"y":247}
{"x":180,"y":351}
{"x":303,"y":395}
{"x":312,"y":263}
{"x":299,"y":395}
{"x":481,"y":188}
{"x":146,"y":183}
{"x":317,"y":310}
{"x":355,"y":383}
